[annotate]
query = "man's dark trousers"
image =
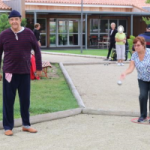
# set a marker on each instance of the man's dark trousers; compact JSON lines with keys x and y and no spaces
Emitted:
{"x":112,"y":45}
{"x":22,"y":83}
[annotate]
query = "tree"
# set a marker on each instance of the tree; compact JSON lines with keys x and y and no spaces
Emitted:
{"x":4,"y":24}
{"x":146,"y":20}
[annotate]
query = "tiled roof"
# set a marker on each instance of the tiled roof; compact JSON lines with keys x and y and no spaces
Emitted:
{"x":138,"y":3}
{"x":4,"y":6}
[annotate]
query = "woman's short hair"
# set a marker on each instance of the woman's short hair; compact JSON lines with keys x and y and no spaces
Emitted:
{"x":36,"y":25}
{"x":141,"y":40}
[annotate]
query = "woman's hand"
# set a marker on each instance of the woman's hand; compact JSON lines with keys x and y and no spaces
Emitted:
{"x":122,"y":76}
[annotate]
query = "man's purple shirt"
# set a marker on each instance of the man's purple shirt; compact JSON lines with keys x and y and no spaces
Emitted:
{"x":17,"y":53}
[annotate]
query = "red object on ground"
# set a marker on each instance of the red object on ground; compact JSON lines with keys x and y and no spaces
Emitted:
{"x":33,"y":69}
{"x":135,"y":120}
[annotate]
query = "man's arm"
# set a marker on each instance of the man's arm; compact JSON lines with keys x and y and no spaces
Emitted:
{"x":1,"y":52}
{"x":37,"y":51}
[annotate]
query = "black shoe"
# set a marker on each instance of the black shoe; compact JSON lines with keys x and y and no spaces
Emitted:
{"x":141,"y":119}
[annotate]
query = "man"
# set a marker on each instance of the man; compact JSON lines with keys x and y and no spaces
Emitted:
{"x":146,"y":35}
{"x":37,"y":33}
{"x":112,"y":34}
{"x":16,"y":43}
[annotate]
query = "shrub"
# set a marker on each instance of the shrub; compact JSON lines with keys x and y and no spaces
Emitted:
{"x":130,"y":42}
{"x":132,"y":37}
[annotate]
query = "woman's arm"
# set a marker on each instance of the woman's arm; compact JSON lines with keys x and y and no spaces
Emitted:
{"x":117,"y":40}
{"x":128,"y":71}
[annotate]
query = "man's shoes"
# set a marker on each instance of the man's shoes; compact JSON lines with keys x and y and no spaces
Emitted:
{"x":31,"y":130}
{"x":141,"y":119}
{"x":8,"y":132}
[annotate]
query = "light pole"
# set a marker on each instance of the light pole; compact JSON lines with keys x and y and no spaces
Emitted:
{"x":81,"y":45}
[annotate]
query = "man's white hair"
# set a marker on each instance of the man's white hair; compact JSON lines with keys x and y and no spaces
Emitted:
{"x":113,"y":23}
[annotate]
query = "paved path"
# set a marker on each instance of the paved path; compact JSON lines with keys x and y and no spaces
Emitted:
{"x":82,"y":132}
{"x":98,"y":88}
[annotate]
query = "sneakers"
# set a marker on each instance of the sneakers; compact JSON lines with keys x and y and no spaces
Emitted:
{"x":31,"y":130}
{"x":8,"y":132}
{"x":141,"y":119}
{"x":120,"y":64}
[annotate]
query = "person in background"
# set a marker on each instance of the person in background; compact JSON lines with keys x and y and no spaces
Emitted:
{"x":146,"y":35}
{"x":16,"y":43}
{"x":141,"y":61}
{"x":120,"y":45}
{"x":36,"y":32}
{"x":112,"y":34}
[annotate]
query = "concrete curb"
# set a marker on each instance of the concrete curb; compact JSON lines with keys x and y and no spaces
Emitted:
{"x":109,"y":112}
{"x":47,"y":117}
{"x":91,"y":63}
{"x":72,"y":87}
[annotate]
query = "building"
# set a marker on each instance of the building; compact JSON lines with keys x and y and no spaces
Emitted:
{"x":61,"y":19}
{"x":4,"y":8}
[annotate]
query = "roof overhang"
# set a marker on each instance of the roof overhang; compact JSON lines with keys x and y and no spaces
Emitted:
{"x":88,"y":12}
{"x":79,"y":5}
{"x":5,"y":11}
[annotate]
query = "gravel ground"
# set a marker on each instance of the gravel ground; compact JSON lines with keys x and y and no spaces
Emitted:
{"x":82,"y":132}
{"x":97,"y":85}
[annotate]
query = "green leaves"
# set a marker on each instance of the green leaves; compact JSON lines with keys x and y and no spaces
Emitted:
{"x":24,"y":22}
{"x":4,"y":23}
{"x":148,"y":1}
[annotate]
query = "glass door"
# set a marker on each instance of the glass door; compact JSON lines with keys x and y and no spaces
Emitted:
{"x":62,"y":32}
{"x":73,"y":32}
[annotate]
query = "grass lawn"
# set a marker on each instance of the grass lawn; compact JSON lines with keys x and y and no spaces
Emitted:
{"x":97,"y":52}
{"x":47,"y":95}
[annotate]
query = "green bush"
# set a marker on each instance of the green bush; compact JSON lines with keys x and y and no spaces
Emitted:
{"x":130,"y":42}
{"x":132,"y":37}
{"x":24,"y":22}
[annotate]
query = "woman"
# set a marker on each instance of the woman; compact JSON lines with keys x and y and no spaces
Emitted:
{"x":141,"y":60}
{"x":120,"y":38}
